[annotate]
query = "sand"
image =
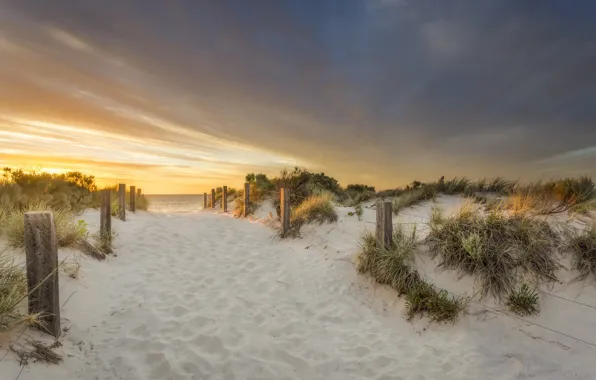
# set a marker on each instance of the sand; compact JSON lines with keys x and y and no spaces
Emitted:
{"x":207,"y":296}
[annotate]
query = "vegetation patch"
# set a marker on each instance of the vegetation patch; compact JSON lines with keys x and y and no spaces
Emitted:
{"x":523,"y":301}
{"x":582,"y":246}
{"x":394,"y":266}
{"x":496,"y":248}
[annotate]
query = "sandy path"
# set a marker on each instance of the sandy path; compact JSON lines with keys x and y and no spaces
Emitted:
{"x":208,"y":297}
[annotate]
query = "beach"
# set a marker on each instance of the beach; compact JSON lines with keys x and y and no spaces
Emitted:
{"x":202,"y":295}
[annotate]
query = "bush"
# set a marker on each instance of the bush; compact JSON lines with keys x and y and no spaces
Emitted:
{"x":359,"y":211}
{"x":68,"y":232}
{"x":495,"y":248}
{"x":523,"y":301}
{"x":582,"y":245}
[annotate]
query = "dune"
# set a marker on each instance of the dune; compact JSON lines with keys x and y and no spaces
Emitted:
{"x":206,"y":296}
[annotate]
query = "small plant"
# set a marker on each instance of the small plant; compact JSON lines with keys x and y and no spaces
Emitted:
{"x":72,"y":266}
{"x":523,"y":301}
{"x":351,"y":213}
{"x":359,"y":211}
{"x":316,"y":208}
{"x":425,"y":300}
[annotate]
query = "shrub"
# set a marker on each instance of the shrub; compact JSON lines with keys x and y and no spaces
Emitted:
{"x":523,"y":301}
{"x":359,"y":211}
{"x":68,"y":232}
{"x":582,"y":245}
{"x":495,"y":248}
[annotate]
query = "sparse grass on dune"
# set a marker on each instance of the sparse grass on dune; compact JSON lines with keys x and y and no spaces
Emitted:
{"x":523,"y":301}
{"x":68,"y":231}
{"x":496,"y":248}
{"x":413,"y":197}
{"x":582,"y":246}
{"x":394,"y":266}
{"x":239,"y":205}
{"x":314,"y":209}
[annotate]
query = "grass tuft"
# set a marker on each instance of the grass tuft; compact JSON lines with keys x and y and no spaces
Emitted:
{"x":425,"y":300}
{"x":495,"y":248}
{"x":582,"y":246}
{"x":523,"y":301}
{"x":413,"y":197}
{"x":13,"y":289}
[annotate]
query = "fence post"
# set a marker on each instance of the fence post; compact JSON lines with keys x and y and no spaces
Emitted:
{"x":246,"y":199}
{"x":204,"y":200}
{"x":133,"y":201}
{"x":105,"y":216}
{"x":384,"y":227}
{"x":42,"y":270}
{"x":284,"y":210}
{"x":212,"y":198}
{"x":224,"y":199}
{"x":139,"y":193}
{"x":122,"y":201}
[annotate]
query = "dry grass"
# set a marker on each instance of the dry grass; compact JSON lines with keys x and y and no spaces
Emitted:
{"x":13,"y":290}
{"x":68,"y":232}
{"x":239,"y":205}
{"x":414,"y":197}
{"x":582,"y":246}
{"x":316,"y":209}
{"x":39,"y":353}
{"x":496,"y":248}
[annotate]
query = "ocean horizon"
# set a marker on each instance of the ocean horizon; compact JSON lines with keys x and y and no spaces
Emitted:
{"x":175,"y":203}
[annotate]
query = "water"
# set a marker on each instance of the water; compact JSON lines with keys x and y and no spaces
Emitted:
{"x":175,"y":204}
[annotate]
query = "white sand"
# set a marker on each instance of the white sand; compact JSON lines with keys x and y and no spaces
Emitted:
{"x":205,"y":296}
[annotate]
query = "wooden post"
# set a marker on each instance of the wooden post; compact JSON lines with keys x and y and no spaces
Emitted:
{"x":105,"y":217}
{"x":139,"y":193}
{"x":246,"y":199}
{"x":204,"y":200}
{"x":224,"y":199}
{"x":212,"y":198}
{"x":133,"y":195}
{"x":122,"y":202}
{"x":41,"y":247}
{"x":285,"y":210}
{"x":384,"y":227}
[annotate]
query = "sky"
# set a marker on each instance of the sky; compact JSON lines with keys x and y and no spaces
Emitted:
{"x":181,"y":96}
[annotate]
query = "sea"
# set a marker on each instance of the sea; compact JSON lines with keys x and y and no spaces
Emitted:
{"x":175,"y":204}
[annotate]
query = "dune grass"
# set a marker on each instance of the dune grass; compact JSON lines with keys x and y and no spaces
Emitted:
{"x":13,"y":290}
{"x":523,"y":301}
{"x":314,"y":209}
{"x":496,"y":248}
{"x":581,"y":244}
{"x":395,"y":266}
{"x":413,"y":197}
{"x":68,"y":231}
{"x":239,"y":205}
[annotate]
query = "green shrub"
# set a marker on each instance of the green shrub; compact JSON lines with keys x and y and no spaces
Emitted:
{"x":523,"y":301}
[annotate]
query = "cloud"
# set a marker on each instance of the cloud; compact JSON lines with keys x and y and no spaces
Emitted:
{"x":426,"y":87}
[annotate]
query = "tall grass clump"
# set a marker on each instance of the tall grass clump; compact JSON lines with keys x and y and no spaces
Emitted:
{"x":582,"y":246}
{"x":68,"y":231}
{"x":13,"y":289}
{"x":395,"y":266}
{"x":315,"y":209}
{"x":496,"y":248}
{"x":239,"y":205}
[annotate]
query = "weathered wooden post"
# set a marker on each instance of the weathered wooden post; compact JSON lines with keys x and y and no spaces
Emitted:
{"x":204,"y":200}
{"x":122,"y":201}
{"x":133,"y":195}
{"x":224,"y":199}
{"x":284,"y":210}
{"x":384,"y":227}
{"x":105,"y":216}
{"x":139,"y":193}
{"x":246,"y":199}
{"x":41,"y":247}
{"x":212,"y":198}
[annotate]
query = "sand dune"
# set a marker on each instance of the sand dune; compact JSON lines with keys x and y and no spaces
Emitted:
{"x":204,"y":296}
